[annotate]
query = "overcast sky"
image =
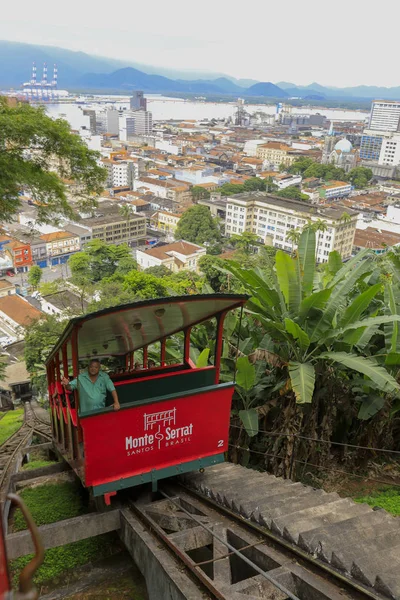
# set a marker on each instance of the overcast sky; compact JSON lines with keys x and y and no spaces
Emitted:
{"x":340,"y":42}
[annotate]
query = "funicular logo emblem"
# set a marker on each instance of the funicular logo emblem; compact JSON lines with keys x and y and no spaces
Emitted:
{"x":165,"y":417}
{"x":158,"y":427}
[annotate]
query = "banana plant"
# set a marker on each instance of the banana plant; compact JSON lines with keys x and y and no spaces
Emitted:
{"x":314,"y":322}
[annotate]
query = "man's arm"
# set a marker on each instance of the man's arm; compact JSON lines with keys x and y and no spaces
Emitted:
{"x":111,"y":388}
{"x":115,"y":400}
{"x":69,"y":385}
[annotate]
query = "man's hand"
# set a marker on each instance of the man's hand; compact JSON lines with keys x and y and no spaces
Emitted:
{"x":64,"y":381}
{"x":116,"y":405}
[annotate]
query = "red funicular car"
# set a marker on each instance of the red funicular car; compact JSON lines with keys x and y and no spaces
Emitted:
{"x":174,"y":415}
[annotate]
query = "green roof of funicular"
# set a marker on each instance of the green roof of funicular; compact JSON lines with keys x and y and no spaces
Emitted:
{"x":126,"y":328}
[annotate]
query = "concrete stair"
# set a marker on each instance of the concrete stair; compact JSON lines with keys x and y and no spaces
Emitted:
{"x":353,"y":538}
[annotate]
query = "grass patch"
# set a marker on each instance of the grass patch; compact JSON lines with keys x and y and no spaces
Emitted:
{"x":10,"y":423}
{"x":54,"y":502}
{"x":58,"y":561}
{"x":50,"y":503}
{"x":387,"y":498}
{"x":36,"y":464}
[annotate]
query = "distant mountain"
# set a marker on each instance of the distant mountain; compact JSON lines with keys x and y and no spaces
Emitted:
{"x":78,"y":70}
{"x":266,"y":89}
{"x":303,"y":92}
{"x":132,"y":79}
{"x":284,"y":85}
{"x":16,"y":63}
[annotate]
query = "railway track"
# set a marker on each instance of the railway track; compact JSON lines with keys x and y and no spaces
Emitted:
{"x":230,"y":560}
{"x":9,"y":451}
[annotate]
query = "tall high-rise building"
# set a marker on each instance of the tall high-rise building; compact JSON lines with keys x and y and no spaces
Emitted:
{"x":380,"y":143}
{"x":385,"y":116}
{"x":138,"y":101}
{"x":135,"y":122}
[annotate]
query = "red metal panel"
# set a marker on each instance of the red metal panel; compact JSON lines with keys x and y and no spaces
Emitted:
{"x":162,"y":375}
{"x":4,"y":580}
{"x":155,"y":436}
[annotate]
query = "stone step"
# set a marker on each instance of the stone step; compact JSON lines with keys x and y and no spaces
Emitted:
{"x":368,"y":568}
{"x":269,"y":498}
{"x":293,"y":505}
{"x":389,"y":586}
{"x":318,"y":516}
{"x":343,"y":558}
{"x":340,"y":534}
{"x":217,"y":490}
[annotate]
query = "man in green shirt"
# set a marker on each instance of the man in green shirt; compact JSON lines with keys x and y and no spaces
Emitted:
{"x":92,"y":386}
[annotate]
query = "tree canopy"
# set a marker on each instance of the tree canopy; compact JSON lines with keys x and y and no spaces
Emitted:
{"x":197,"y":225}
{"x":292,"y":192}
{"x":198,"y":193}
{"x":99,"y":260}
{"x":34,"y":276}
{"x":38,"y":155}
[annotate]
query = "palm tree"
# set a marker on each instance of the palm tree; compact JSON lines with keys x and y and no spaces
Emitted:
{"x":320,"y":226}
{"x":293,"y":236}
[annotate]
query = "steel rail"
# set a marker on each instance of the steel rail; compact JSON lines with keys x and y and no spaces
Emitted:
{"x":194,"y":567}
{"x":31,"y":430}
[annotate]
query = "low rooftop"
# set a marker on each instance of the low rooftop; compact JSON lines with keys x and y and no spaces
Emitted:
{"x":181,"y":247}
{"x":294,"y":205}
{"x":19,"y":310}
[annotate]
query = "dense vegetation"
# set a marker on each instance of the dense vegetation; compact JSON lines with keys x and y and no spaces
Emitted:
{"x":359,"y":176}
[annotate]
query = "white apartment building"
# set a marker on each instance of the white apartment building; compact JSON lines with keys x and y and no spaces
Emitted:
{"x":177,"y":256}
{"x":123,"y":173}
{"x":272,"y":218}
{"x":120,"y":173}
{"x":385,"y":116}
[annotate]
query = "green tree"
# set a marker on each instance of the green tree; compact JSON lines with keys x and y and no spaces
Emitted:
{"x":126,"y":211}
{"x":210,"y":266}
{"x":40,"y":338}
{"x":158,"y":271}
{"x":254,"y":184}
{"x":270,"y":186}
{"x":244,"y":241}
{"x":143,"y":286}
{"x":198,"y":193}
{"x":292,"y":192}
{"x":99,"y":260}
{"x":34,"y":276}
{"x":110,"y":292}
{"x":229,"y":189}
{"x":360,"y":177}
{"x":183,"y":282}
{"x":301,"y":165}
{"x":125,"y":265}
{"x":293,"y":236}
{"x":198,"y":226}
{"x":38,"y":154}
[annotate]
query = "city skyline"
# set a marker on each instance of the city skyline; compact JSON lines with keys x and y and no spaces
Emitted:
{"x":300,"y":45}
